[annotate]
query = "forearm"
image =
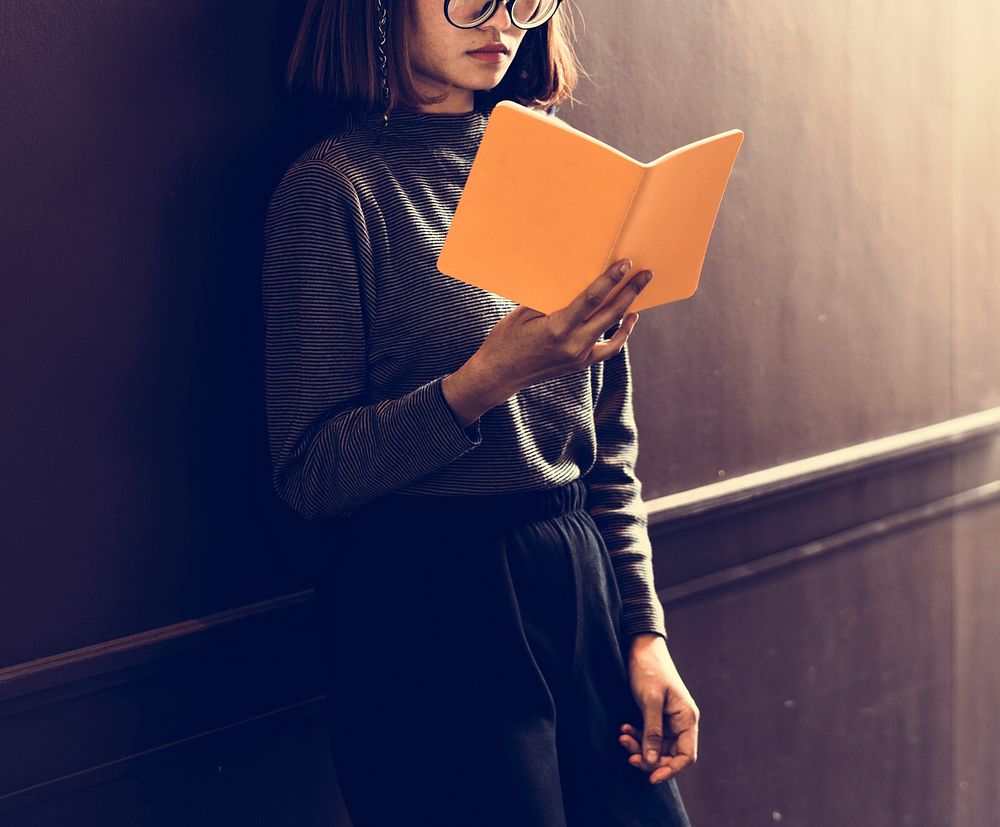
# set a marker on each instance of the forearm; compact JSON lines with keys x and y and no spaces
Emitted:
{"x":367,"y":451}
{"x":614,"y":500}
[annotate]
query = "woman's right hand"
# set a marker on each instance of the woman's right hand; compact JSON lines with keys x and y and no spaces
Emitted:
{"x":526,"y":347}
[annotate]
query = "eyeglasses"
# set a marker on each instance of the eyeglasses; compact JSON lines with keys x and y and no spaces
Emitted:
{"x":525,"y":14}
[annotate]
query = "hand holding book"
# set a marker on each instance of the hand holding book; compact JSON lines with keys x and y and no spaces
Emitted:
{"x":526,"y":347}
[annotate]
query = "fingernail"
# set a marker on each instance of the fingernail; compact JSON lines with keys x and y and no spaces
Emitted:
{"x":650,"y":755}
{"x":625,"y":267}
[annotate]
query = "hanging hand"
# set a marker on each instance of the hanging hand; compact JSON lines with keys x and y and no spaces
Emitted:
{"x":662,"y":696}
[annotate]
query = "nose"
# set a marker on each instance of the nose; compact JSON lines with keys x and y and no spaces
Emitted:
{"x":501,"y":9}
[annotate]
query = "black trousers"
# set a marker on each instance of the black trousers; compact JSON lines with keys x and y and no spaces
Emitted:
{"x":476,"y":667}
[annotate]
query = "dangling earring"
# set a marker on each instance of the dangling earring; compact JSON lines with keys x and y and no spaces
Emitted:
{"x":382,"y":69}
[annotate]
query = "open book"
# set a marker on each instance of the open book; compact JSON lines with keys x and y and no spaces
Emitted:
{"x":547,"y":208}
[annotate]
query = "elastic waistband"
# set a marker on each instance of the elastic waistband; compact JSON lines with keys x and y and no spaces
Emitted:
{"x":505,"y":509}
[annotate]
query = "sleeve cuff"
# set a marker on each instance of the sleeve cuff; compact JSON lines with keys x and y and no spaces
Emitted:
{"x":445,"y":427}
{"x":658,"y":632}
{"x":645,"y":618}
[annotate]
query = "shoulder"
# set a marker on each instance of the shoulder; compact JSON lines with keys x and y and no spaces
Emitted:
{"x":313,"y":190}
{"x":339,"y":155}
{"x":316,"y":170}
{"x":349,"y":156}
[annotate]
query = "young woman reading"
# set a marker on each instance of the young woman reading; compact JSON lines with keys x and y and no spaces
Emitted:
{"x":494,"y":649}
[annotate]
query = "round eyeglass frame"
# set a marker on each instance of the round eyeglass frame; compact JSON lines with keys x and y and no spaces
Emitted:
{"x":493,"y":8}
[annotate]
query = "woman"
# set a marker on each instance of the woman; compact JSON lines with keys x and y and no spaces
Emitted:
{"x":495,"y":652}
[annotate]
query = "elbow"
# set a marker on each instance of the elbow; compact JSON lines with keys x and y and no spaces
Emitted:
{"x":312,"y":487}
{"x":295,"y":492}
{"x":291,"y":495}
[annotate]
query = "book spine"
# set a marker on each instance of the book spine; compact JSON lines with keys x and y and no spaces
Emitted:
{"x":625,"y":215}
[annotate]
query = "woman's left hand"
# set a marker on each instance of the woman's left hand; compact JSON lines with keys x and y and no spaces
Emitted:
{"x":661,"y":695}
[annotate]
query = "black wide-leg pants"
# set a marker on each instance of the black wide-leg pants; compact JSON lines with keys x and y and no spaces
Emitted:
{"x":475,"y":667}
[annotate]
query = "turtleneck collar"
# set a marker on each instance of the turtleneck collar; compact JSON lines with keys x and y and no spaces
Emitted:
{"x":414,"y":125}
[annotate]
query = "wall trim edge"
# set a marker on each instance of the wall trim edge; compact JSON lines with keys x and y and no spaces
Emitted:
{"x":856,"y":458}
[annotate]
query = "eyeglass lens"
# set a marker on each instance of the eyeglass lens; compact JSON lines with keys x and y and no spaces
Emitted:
{"x":525,"y":13}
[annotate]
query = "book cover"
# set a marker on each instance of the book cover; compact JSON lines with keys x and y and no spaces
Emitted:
{"x":547,"y":208}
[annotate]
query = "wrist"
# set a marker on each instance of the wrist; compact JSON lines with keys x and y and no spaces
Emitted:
{"x":485,"y":385}
{"x":470,"y":392}
{"x":644,"y":640}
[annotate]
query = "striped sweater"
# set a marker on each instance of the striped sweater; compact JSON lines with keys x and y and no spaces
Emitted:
{"x":361,"y":327}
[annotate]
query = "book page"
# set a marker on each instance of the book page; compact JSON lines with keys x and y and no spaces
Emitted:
{"x":540,"y":210}
{"x":670,"y":221}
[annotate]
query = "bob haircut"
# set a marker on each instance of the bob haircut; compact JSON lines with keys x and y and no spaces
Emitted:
{"x":335,"y":57}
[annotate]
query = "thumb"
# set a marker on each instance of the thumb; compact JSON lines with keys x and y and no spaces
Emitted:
{"x":652,"y":730}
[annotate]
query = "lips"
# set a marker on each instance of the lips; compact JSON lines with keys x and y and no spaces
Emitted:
{"x":489,"y":49}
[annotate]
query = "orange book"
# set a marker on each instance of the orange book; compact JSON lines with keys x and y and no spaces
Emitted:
{"x":547,"y":208}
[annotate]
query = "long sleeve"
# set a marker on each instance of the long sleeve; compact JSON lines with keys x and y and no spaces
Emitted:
{"x":614,"y":499}
{"x":331,"y":453}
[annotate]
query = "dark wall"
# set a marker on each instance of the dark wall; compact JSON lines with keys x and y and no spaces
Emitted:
{"x":834,"y":620}
{"x":139,"y":143}
{"x":829,"y":565}
{"x":154,"y":650}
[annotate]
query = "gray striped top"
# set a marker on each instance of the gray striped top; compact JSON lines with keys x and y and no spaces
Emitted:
{"x":361,"y":327}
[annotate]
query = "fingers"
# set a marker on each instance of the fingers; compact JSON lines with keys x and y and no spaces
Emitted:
{"x":604,"y":350}
{"x":667,"y":765}
{"x":631,"y":739}
{"x":613,"y":309}
{"x":687,"y":742}
{"x":670,"y":765}
{"x":585,"y":307}
{"x":581,"y":308}
{"x":652,"y":737}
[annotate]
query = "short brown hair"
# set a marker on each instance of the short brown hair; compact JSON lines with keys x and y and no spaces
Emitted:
{"x":335,"y":56}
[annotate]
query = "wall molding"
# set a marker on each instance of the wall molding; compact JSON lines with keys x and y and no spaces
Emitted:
{"x":749,"y":525}
{"x":82,"y":670}
{"x":203,"y":686}
{"x":854,"y":459}
{"x":25,"y":684}
{"x":208,"y":742}
{"x":854,"y":536}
